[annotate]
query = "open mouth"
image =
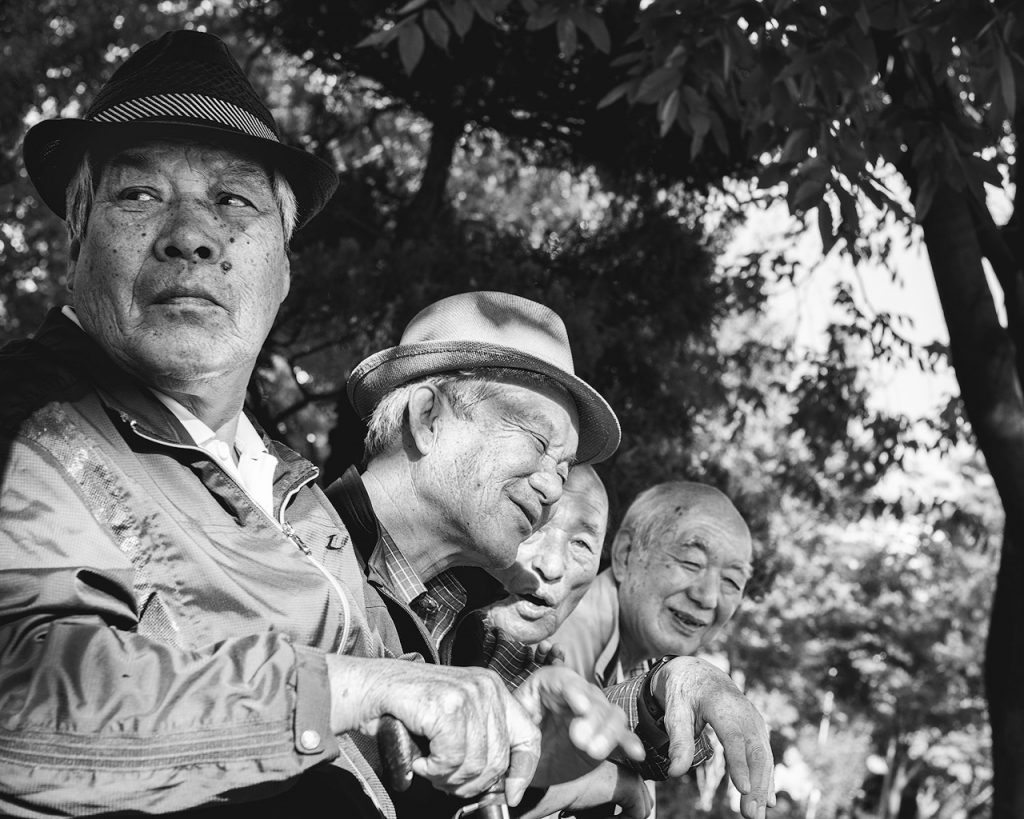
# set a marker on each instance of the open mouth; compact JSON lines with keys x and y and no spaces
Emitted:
{"x":688,"y":620}
{"x":534,"y":599}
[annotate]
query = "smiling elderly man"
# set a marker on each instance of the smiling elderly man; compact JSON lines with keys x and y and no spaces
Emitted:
{"x":474,"y":419}
{"x":182,"y":618}
{"x":679,"y":564}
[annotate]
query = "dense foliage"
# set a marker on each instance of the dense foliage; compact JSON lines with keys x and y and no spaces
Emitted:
{"x":574,"y":153}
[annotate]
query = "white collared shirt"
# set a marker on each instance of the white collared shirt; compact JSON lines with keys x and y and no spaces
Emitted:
{"x":254,"y":470}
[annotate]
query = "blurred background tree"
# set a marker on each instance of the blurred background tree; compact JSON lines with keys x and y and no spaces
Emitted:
{"x":597,"y":156}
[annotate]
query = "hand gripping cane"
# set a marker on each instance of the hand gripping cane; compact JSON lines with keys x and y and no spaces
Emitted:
{"x":397,"y":751}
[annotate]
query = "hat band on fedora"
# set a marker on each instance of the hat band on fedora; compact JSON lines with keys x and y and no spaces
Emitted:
{"x":193,"y":106}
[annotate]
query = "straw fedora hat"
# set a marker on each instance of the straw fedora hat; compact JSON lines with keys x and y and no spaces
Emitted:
{"x":185,"y":84}
{"x":488,"y":329}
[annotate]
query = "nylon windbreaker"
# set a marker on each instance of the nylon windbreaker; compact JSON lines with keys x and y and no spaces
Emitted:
{"x":162,"y":639}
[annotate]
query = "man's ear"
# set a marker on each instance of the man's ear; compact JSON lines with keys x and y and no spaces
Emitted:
{"x":287,"y":275}
{"x":425,"y":407}
{"x":621,"y":547}
{"x":74,"y":249}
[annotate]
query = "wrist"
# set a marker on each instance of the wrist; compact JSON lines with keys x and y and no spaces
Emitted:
{"x":653,"y":692}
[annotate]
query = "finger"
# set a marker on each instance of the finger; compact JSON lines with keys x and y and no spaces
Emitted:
{"x":601,"y":732}
{"x":524,"y":752}
{"x":632,"y":746}
{"x":752,"y":807}
{"x":593,"y":742}
{"x":735,"y":746}
{"x":680,"y":744}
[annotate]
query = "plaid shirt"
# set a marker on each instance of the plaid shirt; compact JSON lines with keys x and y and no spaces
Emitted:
{"x":438,"y":604}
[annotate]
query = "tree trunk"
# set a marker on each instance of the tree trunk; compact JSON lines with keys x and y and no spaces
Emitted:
{"x":431,"y":197}
{"x":984,"y":359}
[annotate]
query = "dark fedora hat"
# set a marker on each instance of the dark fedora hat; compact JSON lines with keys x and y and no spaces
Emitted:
{"x":484,"y":330}
{"x":185,"y":84}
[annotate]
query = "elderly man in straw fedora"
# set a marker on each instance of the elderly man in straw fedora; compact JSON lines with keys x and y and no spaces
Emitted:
{"x":182,"y":617}
{"x":474,"y":420}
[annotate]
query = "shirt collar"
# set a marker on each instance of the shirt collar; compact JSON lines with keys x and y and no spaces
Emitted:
{"x":248,"y":442}
{"x":395,"y":569}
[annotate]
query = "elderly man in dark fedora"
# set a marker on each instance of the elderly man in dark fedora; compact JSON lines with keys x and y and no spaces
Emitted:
{"x":474,"y":420}
{"x":182,"y":618}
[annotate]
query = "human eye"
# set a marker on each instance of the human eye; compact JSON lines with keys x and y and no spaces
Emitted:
{"x":234,"y":200}
{"x":137,"y":194}
{"x":582,"y":545}
{"x":734,"y":584}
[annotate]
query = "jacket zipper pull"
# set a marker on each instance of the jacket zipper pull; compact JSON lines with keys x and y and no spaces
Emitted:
{"x":294,"y":537}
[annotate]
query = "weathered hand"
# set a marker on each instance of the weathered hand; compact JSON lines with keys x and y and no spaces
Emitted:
{"x":475,"y":729}
{"x":608,"y":785}
{"x":579,"y":726}
{"x":693,"y":692}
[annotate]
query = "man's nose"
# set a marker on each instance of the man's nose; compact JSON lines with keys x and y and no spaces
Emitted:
{"x":704,"y":590}
{"x":189,"y":234}
{"x":548,"y":484}
{"x":549,"y":562}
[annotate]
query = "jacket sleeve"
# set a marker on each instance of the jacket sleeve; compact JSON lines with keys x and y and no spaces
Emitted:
{"x":94,"y":716}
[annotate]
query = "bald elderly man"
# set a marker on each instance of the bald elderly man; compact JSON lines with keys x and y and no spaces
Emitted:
{"x":679,"y":564}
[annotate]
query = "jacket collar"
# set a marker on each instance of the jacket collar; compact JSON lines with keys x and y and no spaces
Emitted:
{"x":128,"y":397}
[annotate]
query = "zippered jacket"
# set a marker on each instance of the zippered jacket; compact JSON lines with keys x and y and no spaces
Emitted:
{"x":162,"y":639}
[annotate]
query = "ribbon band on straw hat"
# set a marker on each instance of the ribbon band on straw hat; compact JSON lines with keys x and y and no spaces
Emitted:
{"x":488,"y":329}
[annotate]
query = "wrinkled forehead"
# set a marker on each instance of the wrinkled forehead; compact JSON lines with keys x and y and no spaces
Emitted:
{"x":720,"y":531}
{"x":584,"y":501}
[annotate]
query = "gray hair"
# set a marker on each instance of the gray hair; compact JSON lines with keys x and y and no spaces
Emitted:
{"x":463,"y":389}
{"x":81,"y":192}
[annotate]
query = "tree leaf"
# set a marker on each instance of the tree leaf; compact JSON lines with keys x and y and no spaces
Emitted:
{"x":795,"y":148}
{"x":593,"y":26}
{"x":659,"y":83}
{"x":411,"y":6}
{"x":808,"y":192}
{"x":410,"y":47}
{"x":1006,"y":83}
{"x":618,"y":91}
{"x":460,"y":13}
{"x":379,"y":38}
{"x":486,"y":10}
{"x":826,"y":227}
{"x":667,"y":110}
{"x":436,"y":28}
{"x":543,"y":17}
{"x":700,"y":124}
{"x":567,"y":42}
{"x":924,"y":197}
